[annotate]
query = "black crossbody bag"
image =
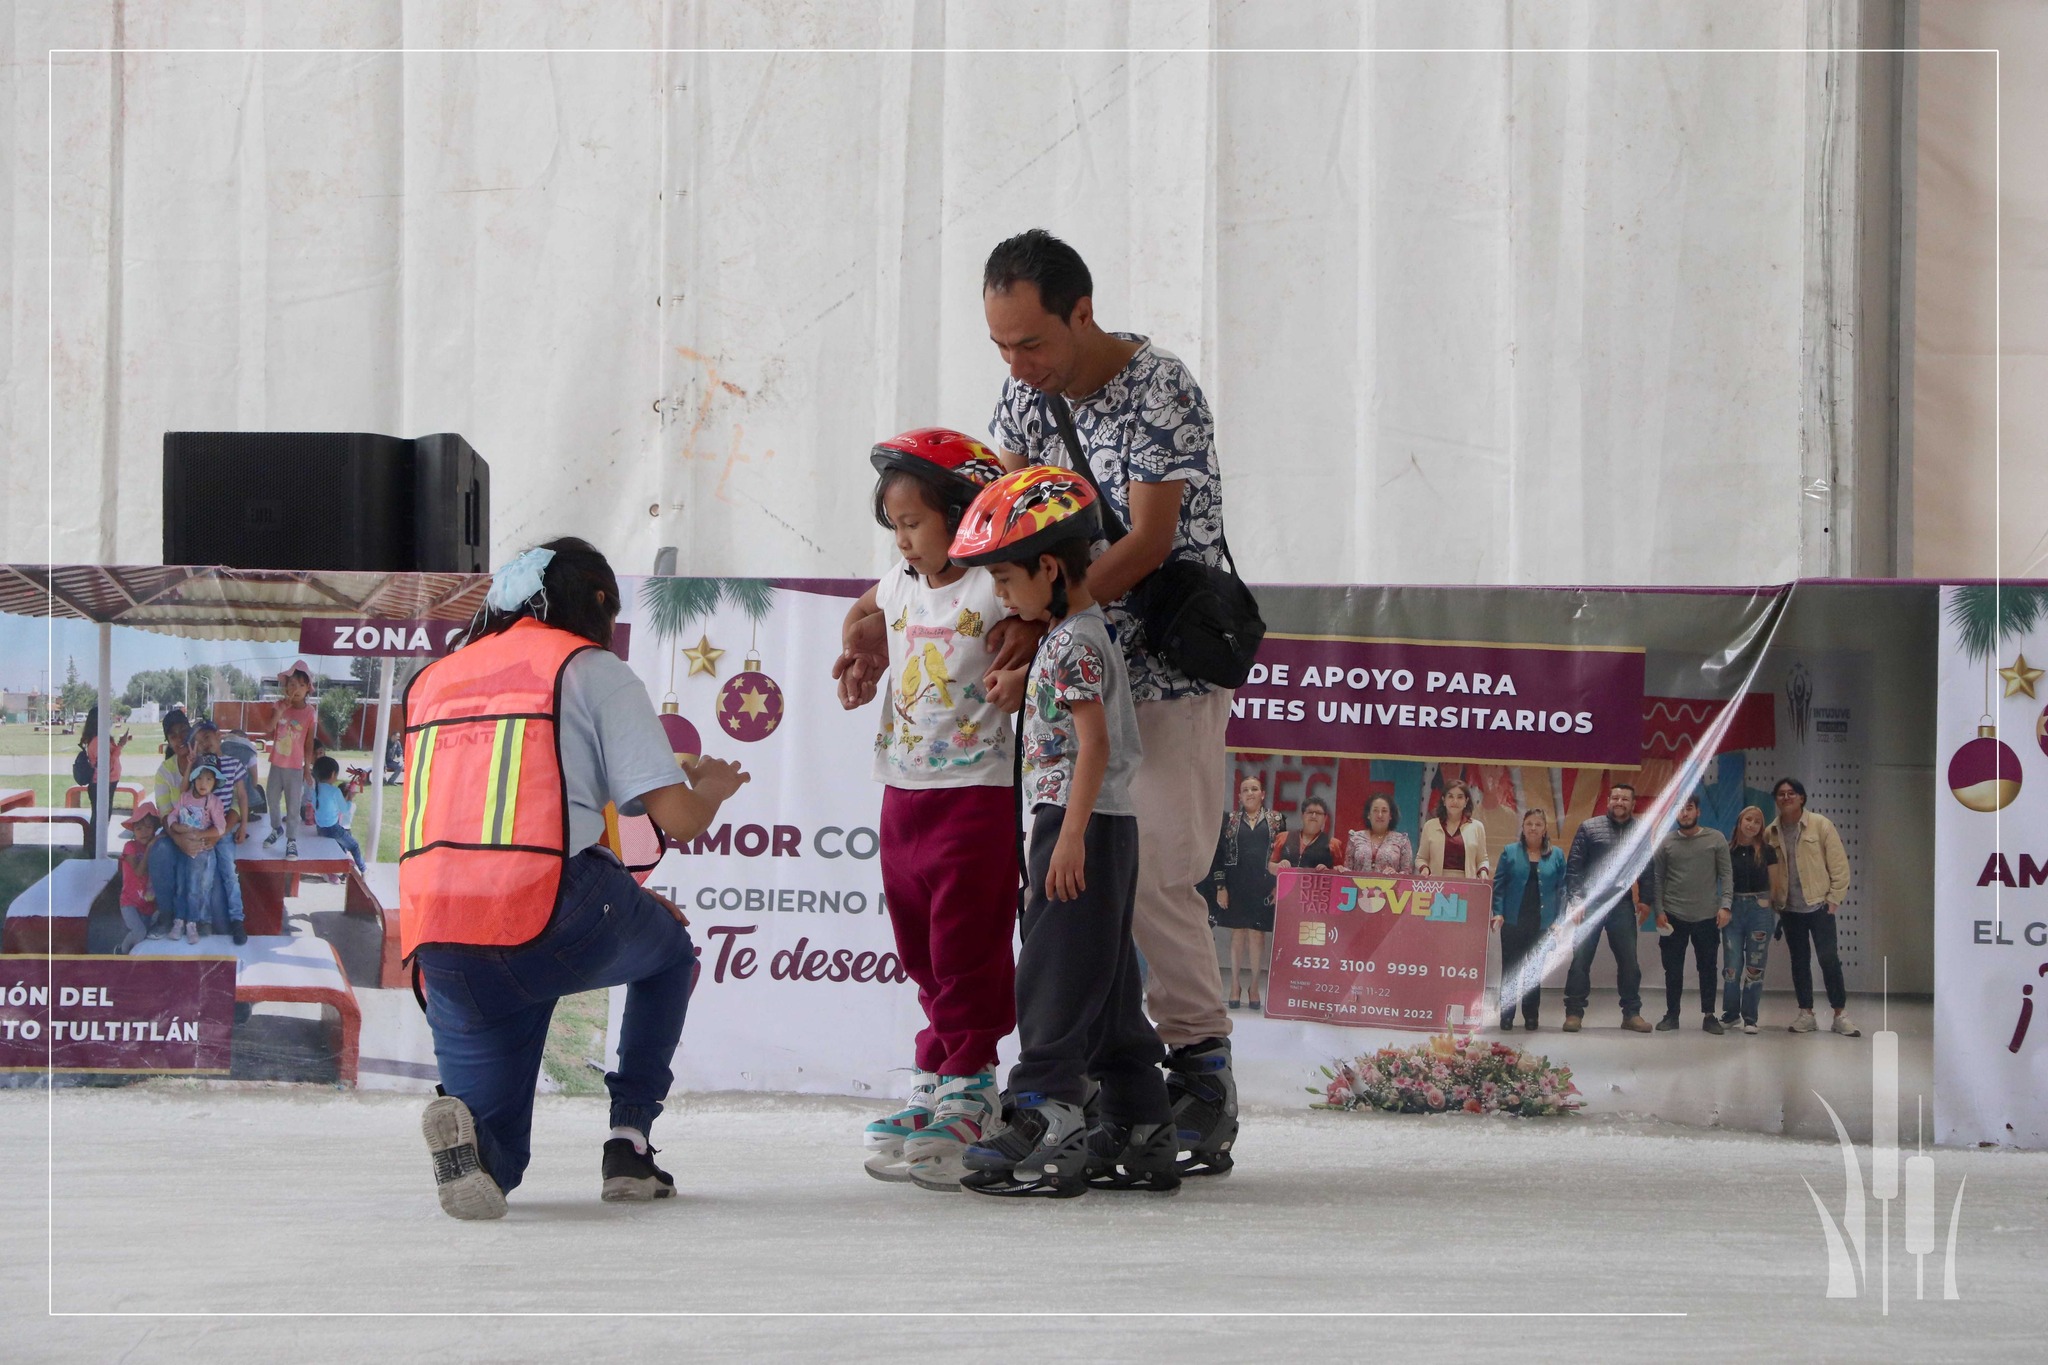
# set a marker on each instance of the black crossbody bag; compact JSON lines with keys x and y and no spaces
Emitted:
{"x":1203,"y":619}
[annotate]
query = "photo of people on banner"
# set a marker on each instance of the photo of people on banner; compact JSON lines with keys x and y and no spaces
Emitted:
{"x":1676,"y":828}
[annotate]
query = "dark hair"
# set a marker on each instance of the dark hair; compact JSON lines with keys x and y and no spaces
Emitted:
{"x":1041,"y":259}
{"x":1393,"y":811}
{"x":92,"y":726}
{"x":1073,"y":555}
{"x":938,"y":494}
{"x":1536,"y":810}
{"x":325,"y":769}
{"x":1798,"y":787}
{"x":569,"y":597}
{"x":1319,"y":804}
{"x":1613,"y":787}
{"x":176,"y":716}
{"x":1689,"y":799}
{"x":1471,"y":812}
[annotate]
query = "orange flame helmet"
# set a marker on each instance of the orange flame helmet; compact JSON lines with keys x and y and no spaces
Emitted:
{"x":1025,"y":514}
{"x":954,"y":463}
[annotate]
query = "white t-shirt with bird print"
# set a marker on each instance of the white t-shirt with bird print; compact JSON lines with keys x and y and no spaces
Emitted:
{"x":939,"y":728}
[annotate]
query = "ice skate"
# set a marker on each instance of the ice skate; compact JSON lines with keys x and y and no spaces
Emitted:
{"x":1204,"y":1097}
{"x":884,"y":1138}
{"x":1145,"y":1156}
{"x":965,"y":1111}
{"x":464,"y":1186}
{"x":1041,"y":1152}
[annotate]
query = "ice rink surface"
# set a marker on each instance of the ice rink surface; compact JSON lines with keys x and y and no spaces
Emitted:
{"x":174,"y":1204}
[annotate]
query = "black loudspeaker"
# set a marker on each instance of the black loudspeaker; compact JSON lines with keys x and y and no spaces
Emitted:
{"x":326,"y":500}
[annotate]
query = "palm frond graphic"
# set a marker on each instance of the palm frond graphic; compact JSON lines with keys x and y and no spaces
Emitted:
{"x":1984,"y":614}
{"x":673,"y":605}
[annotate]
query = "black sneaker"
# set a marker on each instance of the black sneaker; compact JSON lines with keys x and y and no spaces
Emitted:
{"x":630,"y":1175}
{"x":465,"y":1187}
{"x":241,"y":932}
{"x":1667,"y":1023}
{"x":1713,"y":1025}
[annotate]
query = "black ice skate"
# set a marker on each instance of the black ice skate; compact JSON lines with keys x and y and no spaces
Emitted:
{"x":1041,"y":1151}
{"x":1204,"y":1096}
{"x":631,"y":1176}
{"x":1143,"y":1157}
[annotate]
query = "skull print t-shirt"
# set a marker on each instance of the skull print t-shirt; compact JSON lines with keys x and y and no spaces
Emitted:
{"x":939,"y":728}
{"x":1078,"y":662}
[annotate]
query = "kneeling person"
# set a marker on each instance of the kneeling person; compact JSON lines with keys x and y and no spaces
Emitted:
{"x":1082,"y":1031}
{"x":515,"y":744}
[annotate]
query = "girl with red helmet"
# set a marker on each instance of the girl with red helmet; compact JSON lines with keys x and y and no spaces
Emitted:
{"x":1080,"y":1005}
{"x":944,"y":753}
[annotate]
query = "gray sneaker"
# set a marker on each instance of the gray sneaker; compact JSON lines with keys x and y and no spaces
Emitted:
{"x":1845,"y":1028}
{"x":1803,"y":1023}
{"x":1749,"y":1026}
{"x":465,"y":1188}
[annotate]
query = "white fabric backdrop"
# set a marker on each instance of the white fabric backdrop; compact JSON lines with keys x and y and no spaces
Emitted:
{"x":1463,"y":317}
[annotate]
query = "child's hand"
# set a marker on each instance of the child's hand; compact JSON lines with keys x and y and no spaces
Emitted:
{"x":1005,"y":688}
{"x":857,"y":675}
{"x":1066,"y":876}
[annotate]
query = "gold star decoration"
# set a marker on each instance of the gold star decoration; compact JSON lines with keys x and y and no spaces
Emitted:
{"x":703,"y":658}
{"x":2020,"y":679}
{"x":753,"y":703}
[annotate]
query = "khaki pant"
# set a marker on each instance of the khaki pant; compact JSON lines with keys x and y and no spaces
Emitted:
{"x":1180,"y":794}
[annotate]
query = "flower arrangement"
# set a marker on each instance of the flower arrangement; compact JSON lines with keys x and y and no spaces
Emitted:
{"x":1448,"y":1075}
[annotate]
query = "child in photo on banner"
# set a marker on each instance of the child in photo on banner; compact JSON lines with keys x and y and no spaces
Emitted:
{"x":333,"y":810}
{"x":1088,"y":1102}
{"x":944,"y":754}
{"x":138,"y":898}
{"x":292,"y":736}
{"x":200,"y":811}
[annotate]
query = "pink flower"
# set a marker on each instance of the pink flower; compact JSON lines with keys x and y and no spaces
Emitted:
{"x":1433,"y":1097}
{"x":1472,"y":1107}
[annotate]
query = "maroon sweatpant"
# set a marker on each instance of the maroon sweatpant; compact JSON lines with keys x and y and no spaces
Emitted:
{"x":949,"y":870}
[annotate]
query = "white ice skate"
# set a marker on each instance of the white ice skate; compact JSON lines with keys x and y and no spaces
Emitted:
{"x":965,"y":1111}
{"x":884,"y":1138}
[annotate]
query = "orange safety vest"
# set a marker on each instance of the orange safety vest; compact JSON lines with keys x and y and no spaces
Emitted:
{"x":486,"y":815}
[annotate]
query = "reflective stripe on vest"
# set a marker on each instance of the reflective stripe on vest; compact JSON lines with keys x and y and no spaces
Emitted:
{"x":486,"y":813}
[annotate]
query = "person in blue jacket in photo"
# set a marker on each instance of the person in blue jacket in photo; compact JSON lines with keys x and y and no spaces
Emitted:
{"x":1528,"y":892}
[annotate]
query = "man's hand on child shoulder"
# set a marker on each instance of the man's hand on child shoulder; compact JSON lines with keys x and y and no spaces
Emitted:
{"x":1013,"y":640}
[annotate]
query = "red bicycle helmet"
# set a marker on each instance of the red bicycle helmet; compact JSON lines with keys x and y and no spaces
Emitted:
{"x":1024,"y":514}
{"x":955,"y":461}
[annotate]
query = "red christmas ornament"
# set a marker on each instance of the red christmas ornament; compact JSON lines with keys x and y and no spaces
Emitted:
{"x":1985,"y":773}
{"x":682,"y":736}
{"x":750,"y":703}
{"x":2041,"y":729}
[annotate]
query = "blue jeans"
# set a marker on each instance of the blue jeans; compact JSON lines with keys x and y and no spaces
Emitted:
{"x":1745,"y":939}
{"x":1617,"y":924}
{"x":341,"y":835}
{"x":167,"y":879}
{"x":202,"y":872}
{"x":489,"y":1007}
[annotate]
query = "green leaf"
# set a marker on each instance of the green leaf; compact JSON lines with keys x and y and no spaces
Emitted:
{"x":1985,"y":614}
{"x":674,"y":604}
{"x":753,"y":596}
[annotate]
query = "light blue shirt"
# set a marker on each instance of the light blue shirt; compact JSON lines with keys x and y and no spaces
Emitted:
{"x":613,"y":746}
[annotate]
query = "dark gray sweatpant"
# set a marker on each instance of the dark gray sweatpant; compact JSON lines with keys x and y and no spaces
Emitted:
{"x":1080,"y":1003}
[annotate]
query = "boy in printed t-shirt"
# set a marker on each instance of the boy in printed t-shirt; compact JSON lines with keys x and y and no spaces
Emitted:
{"x":290,"y":748}
{"x":1082,"y":1032}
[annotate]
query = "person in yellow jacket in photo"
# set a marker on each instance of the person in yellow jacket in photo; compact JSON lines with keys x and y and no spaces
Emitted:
{"x":1807,"y":897}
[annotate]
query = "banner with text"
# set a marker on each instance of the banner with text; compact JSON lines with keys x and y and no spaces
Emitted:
{"x":85,"y":1014}
{"x":1991,"y":867}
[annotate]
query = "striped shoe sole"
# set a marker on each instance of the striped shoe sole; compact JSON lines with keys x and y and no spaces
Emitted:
{"x":466,"y":1190}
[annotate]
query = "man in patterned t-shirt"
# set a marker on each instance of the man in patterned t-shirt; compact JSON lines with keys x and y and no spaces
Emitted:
{"x":1149,"y":439}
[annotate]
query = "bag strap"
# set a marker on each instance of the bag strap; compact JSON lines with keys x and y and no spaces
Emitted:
{"x":1063,"y":418}
{"x":1113,"y":526}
